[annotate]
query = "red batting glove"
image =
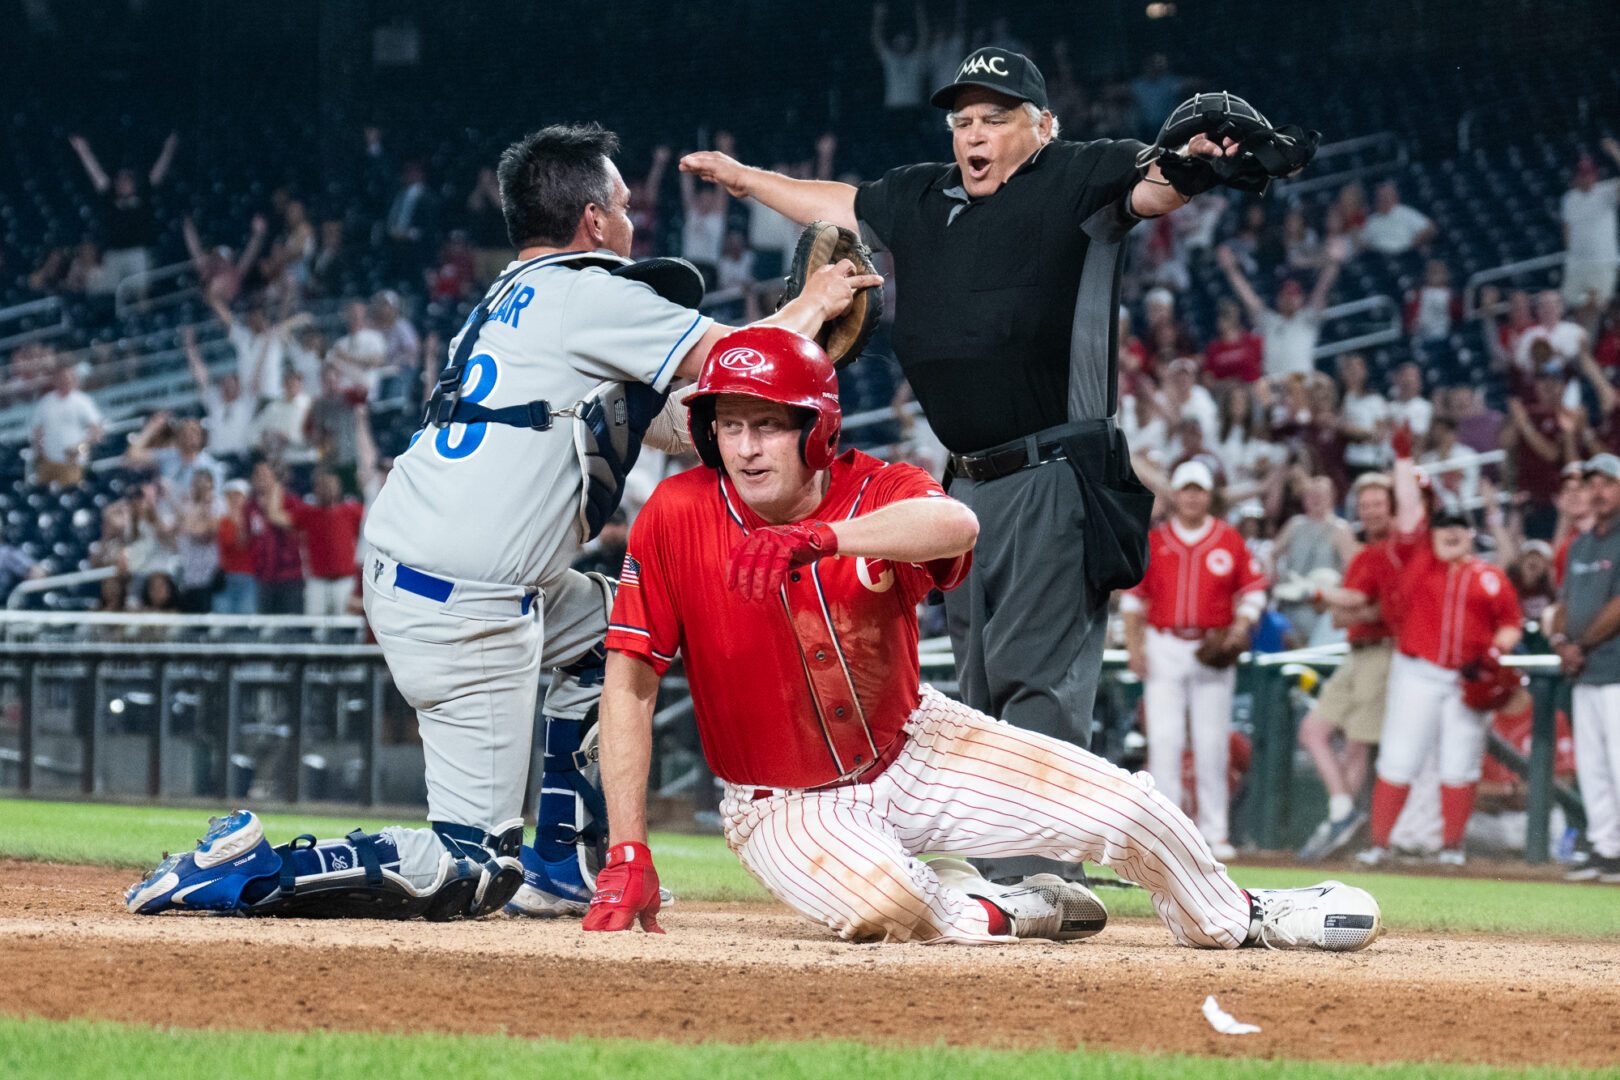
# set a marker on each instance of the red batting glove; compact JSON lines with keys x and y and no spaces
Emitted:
{"x":762,"y":559}
{"x":1400,"y":441}
{"x":626,"y":890}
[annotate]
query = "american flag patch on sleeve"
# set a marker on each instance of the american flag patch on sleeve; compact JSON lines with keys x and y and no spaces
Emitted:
{"x":630,"y":574}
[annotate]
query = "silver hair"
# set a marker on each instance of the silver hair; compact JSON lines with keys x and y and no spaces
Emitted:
{"x":1030,"y":110}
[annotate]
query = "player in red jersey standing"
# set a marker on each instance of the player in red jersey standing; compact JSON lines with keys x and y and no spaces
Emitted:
{"x":1460,"y":616}
{"x":1201,"y":585}
{"x":787,"y":577}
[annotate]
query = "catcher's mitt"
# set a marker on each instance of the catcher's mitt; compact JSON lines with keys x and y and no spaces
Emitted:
{"x":821,"y":244}
{"x":1264,"y":152}
{"x":1217,"y":650}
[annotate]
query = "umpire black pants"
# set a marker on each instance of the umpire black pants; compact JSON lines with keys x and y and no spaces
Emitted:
{"x":1027,"y":628}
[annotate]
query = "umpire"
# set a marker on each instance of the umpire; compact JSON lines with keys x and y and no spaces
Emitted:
{"x":1008,"y":265}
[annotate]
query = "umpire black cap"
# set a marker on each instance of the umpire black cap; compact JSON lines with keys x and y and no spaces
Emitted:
{"x":1001,"y":70}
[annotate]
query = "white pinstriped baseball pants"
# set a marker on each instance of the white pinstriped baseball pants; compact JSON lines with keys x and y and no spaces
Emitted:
{"x":969,"y":785}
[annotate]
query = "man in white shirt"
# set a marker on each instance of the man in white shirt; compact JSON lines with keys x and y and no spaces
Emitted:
{"x":259,"y":350}
{"x":66,"y":425}
{"x":1364,"y":417}
{"x":1393,"y":227}
{"x":1409,"y":406}
{"x":360,"y":351}
{"x":229,"y":411}
{"x":1591,"y":248}
{"x":280,"y":424}
{"x":1568,"y":340}
{"x":1290,"y":331}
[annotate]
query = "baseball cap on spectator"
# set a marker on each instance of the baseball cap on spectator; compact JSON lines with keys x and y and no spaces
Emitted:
{"x":1536,"y":547}
{"x":1192,"y":474}
{"x":241,"y":487}
{"x":1602,"y":465}
{"x":1573,"y":470}
{"x":1184,"y":363}
{"x":1161,"y":296}
{"x":1001,"y":70}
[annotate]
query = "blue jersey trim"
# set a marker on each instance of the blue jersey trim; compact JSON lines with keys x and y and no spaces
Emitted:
{"x":659,"y":373}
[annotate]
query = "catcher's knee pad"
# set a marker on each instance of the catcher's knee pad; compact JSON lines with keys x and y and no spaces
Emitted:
{"x":358,"y":877}
{"x":364,"y":876}
{"x":499,"y":873}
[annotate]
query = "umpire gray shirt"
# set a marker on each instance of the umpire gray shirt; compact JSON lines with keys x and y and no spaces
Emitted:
{"x":1591,"y":580}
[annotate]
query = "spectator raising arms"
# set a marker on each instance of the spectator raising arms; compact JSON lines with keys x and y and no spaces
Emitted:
{"x":127,"y":208}
{"x":229,"y":414}
{"x":1289,"y":331}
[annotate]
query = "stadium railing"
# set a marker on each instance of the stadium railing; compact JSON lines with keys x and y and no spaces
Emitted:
{"x":1385,"y":148}
{"x":47,"y":308}
{"x":136,"y":294}
{"x":1519,"y":269}
{"x":1389,"y":331}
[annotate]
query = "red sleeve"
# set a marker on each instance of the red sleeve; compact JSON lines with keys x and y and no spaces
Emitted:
{"x":1561,"y":559}
{"x":645,"y":622}
{"x":896,"y":483}
{"x":297,"y":509}
{"x":1359,"y":575}
{"x":1249,"y":576}
{"x":356,"y":512}
{"x":1505,"y":604}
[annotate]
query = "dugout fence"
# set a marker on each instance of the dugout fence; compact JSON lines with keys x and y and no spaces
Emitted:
{"x":289,"y":710}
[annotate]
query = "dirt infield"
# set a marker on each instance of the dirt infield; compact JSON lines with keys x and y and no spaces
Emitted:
{"x":741,"y":973}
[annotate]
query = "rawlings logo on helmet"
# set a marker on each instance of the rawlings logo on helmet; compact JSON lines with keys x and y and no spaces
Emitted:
{"x":740,"y":359}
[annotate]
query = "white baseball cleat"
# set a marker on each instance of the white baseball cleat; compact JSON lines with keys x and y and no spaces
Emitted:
{"x":1332,"y":916}
{"x":1373,"y":856}
{"x":1040,"y":906}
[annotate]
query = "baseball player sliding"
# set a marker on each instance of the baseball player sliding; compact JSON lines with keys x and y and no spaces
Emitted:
{"x":1185,"y":626}
{"x":1459,"y":616}
{"x":558,"y":375}
{"x":786,"y":575}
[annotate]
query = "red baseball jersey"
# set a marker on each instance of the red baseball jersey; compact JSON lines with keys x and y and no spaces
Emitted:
{"x":1451,"y":610}
{"x":1375,"y":572}
{"x":1197,"y":585}
{"x":807,"y":687}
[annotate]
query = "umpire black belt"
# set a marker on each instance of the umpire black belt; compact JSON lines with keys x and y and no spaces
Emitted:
{"x":1026,"y":453}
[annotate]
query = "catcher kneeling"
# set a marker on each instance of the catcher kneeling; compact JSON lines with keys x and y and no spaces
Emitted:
{"x":1186,"y":624}
{"x":786,"y":575}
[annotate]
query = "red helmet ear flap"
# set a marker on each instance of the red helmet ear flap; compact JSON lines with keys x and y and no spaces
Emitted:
{"x":700,"y":425}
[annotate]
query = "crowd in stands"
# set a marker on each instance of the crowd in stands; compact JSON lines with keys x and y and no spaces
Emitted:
{"x":1223,"y":315}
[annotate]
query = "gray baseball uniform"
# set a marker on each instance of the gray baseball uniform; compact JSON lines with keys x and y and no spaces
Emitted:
{"x":471,"y":538}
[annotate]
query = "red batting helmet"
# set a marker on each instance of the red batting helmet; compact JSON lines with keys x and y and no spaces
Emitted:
{"x":1488,"y":684}
{"x":773,"y":364}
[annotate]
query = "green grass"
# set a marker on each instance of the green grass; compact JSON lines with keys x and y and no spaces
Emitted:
{"x":699,"y":868}
{"x":65,"y":1051}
